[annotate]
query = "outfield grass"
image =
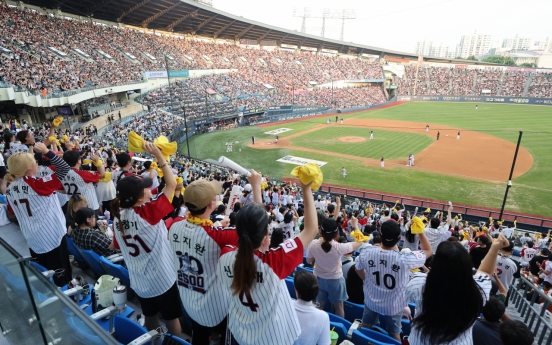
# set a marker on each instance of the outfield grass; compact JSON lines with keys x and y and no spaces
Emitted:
{"x":394,"y":144}
{"x":531,"y":193}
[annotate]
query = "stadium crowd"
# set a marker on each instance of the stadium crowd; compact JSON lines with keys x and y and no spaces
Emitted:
{"x":401,"y":254}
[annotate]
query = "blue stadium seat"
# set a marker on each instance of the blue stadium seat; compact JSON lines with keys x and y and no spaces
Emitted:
{"x":405,"y":325}
{"x":174,"y":338}
{"x":74,"y":250}
{"x":105,"y":323}
{"x":86,"y":299}
{"x":412,"y":307}
{"x":337,"y":319}
{"x":116,"y":270}
{"x":308,"y":269}
{"x":384,"y":339}
{"x":81,"y":332}
{"x":353,"y":311}
{"x":40,"y":268}
{"x":361,"y":339}
{"x":291,"y":287}
{"x":93,"y":260}
{"x":340,"y":329}
{"x":127,"y":330}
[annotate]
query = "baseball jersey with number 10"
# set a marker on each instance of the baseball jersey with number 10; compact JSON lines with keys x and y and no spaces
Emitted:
{"x":387,"y":273}
{"x":266,"y":315}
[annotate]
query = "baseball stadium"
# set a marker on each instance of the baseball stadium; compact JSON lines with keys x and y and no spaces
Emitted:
{"x":155,"y":150}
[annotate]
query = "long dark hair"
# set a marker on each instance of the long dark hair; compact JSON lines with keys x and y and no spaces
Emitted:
{"x":410,"y":237}
{"x":451,"y":271}
{"x":329,"y":232}
{"x":252,"y":227}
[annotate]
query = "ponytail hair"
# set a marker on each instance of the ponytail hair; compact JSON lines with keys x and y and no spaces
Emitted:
{"x":252,"y":227}
{"x":329,"y":233}
{"x":115,"y":208}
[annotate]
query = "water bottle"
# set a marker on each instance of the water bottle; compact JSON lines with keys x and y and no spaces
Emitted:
{"x":214,"y":339}
{"x":107,"y":214}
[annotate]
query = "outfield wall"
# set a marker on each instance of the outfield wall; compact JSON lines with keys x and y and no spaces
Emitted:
{"x":475,"y":99}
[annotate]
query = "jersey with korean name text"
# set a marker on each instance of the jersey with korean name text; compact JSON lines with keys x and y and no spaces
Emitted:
{"x":265,"y":316}
{"x":145,"y":247}
{"x":37,"y":209}
{"x":195,"y":252}
{"x":44,"y":171}
{"x":387,"y":273}
{"x":82,"y":182}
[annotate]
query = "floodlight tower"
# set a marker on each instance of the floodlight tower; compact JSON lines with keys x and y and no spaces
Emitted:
{"x":303,"y":13}
{"x":343,"y":15}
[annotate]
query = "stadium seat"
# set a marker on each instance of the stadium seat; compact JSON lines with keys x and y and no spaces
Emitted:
{"x":337,"y":319}
{"x":74,"y":250}
{"x":81,"y":333}
{"x":353,"y":311}
{"x":405,"y":325}
{"x":412,"y":307}
{"x":116,"y":270}
{"x":93,"y":261}
{"x":308,"y":269}
{"x":86,"y":299}
{"x":340,"y":329}
{"x":105,"y":323}
{"x":126,"y":330}
{"x":40,"y":268}
{"x":173,"y":339}
{"x":291,"y":287}
{"x":369,"y":337}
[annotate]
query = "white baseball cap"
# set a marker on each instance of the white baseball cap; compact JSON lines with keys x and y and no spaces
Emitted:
{"x":247,"y":188}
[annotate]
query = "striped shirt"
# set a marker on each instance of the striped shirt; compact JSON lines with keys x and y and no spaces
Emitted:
{"x":387,"y":274}
{"x":37,"y":209}
{"x":145,"y":247}
{"x":267,"y":315}
{"x":195,"y":253}
{"x":506,"y":269}
{"x":81,"y":181}
{"x":435,"y":236}
{"x":288,"y":229}
{"x":44,"y":171}
{"x":414,"y":294}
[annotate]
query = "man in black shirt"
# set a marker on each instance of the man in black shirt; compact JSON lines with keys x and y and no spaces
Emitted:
{"x":477,"y":254}
{"x":540,"y":257}
{"x":485,"y":330}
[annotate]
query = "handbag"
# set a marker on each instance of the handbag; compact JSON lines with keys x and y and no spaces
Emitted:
{"x":103,"y":292}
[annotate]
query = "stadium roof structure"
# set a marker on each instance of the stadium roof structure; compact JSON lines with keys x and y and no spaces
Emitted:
{"x":195,"y":18}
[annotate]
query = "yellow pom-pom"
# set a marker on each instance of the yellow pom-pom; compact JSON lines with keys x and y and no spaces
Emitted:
{"x":417,"y":226}
{"x":428,"y":210}
{"x":86,"y":161}
{"x":52,"y":138}
{"x":359,"y":236}
{"x":57,"y":121}
{"x":309,"y":173}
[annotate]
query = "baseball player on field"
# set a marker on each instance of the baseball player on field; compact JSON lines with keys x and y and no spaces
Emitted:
{"x":386,"y":272}
{"x":36,"y":207}
{"x":141,"y":235}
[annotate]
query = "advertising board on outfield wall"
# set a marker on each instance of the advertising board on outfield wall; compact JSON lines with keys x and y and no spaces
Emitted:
{"x":475,"y":99}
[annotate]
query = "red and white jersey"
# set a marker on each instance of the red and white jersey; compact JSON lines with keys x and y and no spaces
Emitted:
{"x":47,"y":171}
{"x":81,"y":181}
{"x":117,"y":175}
{"x":387,"y":274}
{"x":506,"y":268}
{"x":267,"y":316}
{"x":195,"y":253}
{"x":145,"y":247}
{"x":288,"y":229}
{"x":527,"y":254}
{"x":37,"y":208}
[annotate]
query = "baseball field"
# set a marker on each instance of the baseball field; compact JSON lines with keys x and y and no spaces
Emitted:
{"x":472,"y":169}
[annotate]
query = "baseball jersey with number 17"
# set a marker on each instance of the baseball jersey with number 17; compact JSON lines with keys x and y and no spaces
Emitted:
{"x":387,"y":273}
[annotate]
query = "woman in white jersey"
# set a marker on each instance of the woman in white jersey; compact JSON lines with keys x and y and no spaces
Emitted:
{"x":327,"y":253}
{"x":38,"y":211}
{"x":451,"y":271}
{"x":260,"y":310}
{"x":141,"y":235}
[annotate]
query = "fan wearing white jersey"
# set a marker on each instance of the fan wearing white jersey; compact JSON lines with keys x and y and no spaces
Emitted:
{"x":37,"y":209}
{"x":386,"y":272}
{"x":507,"y":269}
{"x":261,"y":311}
{"x":81,"y":181}
{"x":527,"y":253}
{"x":196,"y":246}
{"x":125,"y":168}
{"x":450,"y":275}
{"x":141,"y":235}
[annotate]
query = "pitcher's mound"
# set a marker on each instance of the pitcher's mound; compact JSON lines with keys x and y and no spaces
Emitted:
{"x":352,"y":139}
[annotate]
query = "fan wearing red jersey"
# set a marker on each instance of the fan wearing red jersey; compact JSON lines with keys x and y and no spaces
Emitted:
{"x":260,"y":310}
{"x":141,"y":235}
{"x":37,"y":209}
{"x":80,"y":181}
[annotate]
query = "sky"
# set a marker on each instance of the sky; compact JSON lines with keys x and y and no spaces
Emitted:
{"x":398,"y":25}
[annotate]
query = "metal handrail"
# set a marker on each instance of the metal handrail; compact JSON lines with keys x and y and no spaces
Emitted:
{"x":524,"y":295}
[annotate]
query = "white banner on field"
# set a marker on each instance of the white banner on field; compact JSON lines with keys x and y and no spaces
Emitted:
{"x":300,"y":161}
{"x":156,"y":74}
{"x":234,"y":198}
{"x":278,"y":131}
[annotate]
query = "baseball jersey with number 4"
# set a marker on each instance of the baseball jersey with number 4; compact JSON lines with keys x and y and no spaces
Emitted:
{"x":387,"y":273}
{"x":145,"y":247}
{"x":266,"y":315}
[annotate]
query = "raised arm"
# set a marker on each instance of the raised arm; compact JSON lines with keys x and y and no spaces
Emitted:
{"x":62,"y":168}
{"x":98,"y":163}
{"x":449,"y":217}
{"x":425,"y":245}
{"x":170,"y":180}
{"x":256,"y":179}
{"x":311,"y":219}
{"x":488,"y":265}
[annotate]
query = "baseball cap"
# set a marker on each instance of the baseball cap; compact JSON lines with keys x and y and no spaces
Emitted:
{"x":200,"y":193}
{"x":390,"y":232}
{"x":319,"y":197}
{"x":247,"y":188}
{"x":329,"y":226}
{"x":280,"y":217}
{"x":130,"y":188}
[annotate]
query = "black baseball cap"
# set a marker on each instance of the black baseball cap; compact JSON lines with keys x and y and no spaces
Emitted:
{"x":329,"y":226}
{"x":130,"y":188}
{"x":390,"y":233}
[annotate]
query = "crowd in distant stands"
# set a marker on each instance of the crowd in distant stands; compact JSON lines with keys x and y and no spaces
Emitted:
{"x":473,"y":82}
